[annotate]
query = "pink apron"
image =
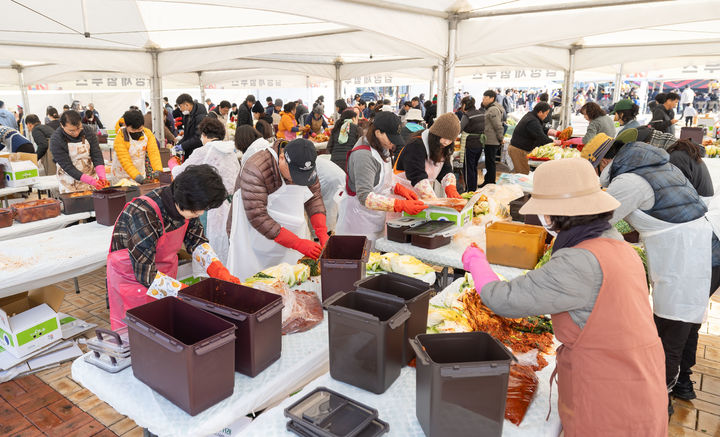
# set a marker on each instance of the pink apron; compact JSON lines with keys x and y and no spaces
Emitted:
{"x":124,"y":291}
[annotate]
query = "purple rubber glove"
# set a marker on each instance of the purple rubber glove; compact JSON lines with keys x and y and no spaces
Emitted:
{"x":475,"y":262}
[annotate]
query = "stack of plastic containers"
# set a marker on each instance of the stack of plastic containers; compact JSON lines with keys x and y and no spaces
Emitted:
{"x":111,"y":350}
{"x":325,"y":413}
{"x":342,"y":263}
{"x":461,"y":384}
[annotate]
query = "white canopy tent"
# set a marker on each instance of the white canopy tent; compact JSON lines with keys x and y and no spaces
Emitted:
{"x":342,"y":39}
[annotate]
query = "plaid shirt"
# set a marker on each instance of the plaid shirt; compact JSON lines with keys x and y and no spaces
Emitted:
{"x":139,"y":228}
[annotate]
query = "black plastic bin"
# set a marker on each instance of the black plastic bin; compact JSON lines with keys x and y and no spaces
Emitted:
{"x":130,"y":192}
{"x":76,"y":204}
{"x":366,"y":333}
{"x":461,"y":384}
{"x":414,"y":293}
{"x":108,"y":204}
{"x":342,"y":263}
{"x":255,"y":313}
{"x":182,"y":352}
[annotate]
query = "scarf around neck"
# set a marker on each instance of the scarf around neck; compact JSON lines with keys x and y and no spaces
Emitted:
{"x":576,"y":235}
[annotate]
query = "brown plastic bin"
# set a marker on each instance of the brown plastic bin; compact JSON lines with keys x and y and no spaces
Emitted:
{"x":396,"y":228}
{"x":515,"y":244}
{"x":35,"y":210}
{"x":108,"y":203}
{"x":366,"y":333}
{"x":130,"y":192}
{"x":182,"y":352}
{"x":6,"y":217}
{"x":414,"y":293}
{"x":255,"y":313}
{"x":165,"y":155}
{"x":694,"y":134}
{"x":461,"y":384}
{"x":76,"y":204}
{"x":432,"y":234}
{"x":342,"y":263}
{"x":165,"y":177}
{"x":146,"y":188}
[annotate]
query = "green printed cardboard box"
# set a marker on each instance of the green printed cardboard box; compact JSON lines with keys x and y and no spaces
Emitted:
{"x":18,"y":170}
{"x":29,"y":321}
{"x":460,"y":218}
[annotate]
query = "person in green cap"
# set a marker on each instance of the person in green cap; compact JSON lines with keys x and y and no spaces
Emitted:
{"x":626,"y":112}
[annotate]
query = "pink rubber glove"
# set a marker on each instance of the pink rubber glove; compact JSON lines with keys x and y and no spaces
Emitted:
{"x":172,"y":163}
{"x":100,"y":170}
{"x":89,"y":180}
{"x":475,"y":262}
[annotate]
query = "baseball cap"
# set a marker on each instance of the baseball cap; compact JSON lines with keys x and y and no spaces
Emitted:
{"x":389,"y":124}
{"x":622,"y":105}
{"x":300,"y":155}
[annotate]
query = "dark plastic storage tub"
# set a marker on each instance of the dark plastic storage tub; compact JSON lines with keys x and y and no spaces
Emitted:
{"x":75,"y":204}
{"x":461,"y":385}
{"x":108,"y":203}
{"x":165,"y":177}
{"x":515,"y":206}
{"x":182,"y":352}
{"x":255,"y":313}
{"x":433,"y":234}
{"x":130,"y":192}
{"x":342,"y":263}
{"x":396,"y":228}
{"x":366,"y":334}
{"x":414,"y":293}
{"x":6,"y":217}
{"x":35,"y":210}
{"x":146,"y":188}
{"x":165,"y":155}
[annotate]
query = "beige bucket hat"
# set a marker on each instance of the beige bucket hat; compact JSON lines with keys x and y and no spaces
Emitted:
{"x":568,"y":187}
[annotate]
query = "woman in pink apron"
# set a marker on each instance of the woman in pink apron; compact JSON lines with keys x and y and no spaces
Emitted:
{"x":610,"y":365}
{"x":428,"y":157}
{"x":143,"y":263}
{"x":75,"y":149}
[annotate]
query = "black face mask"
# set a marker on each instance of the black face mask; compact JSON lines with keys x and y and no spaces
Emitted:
{"x":136,"y":135}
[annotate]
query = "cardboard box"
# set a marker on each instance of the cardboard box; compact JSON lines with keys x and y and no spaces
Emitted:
{"x":460,"y":218}
{"x":20,"y":169}
{"x":29,"y":321}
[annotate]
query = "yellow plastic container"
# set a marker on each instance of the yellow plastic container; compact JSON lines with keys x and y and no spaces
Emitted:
{"x":515,"y":244}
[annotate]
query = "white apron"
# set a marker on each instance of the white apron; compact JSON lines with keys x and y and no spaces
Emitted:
{"x":431,"y":168}
{"x":80,"y":157}
{"x":137,"y":151}
{"x":679,"y":263}
{"x":250,"y":251}
{"x":331,"y":178}
{"x":354,"y":218}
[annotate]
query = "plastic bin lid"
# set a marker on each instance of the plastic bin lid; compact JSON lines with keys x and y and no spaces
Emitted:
{"x":113,"y":342}
{"x":405,"y":221}
{"x":376,"y":428}
{"x":432,"y":228}
{"x":326,"y":413}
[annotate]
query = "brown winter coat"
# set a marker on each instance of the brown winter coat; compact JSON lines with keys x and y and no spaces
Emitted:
{"x":259,"y":178}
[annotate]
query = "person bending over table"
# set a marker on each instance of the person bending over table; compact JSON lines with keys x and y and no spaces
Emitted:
{"x":528,"y":134}
{"x":610,"y":365}
{"x":134,"y":144}
{"x":150,"y":231}
{"x":75,"y":149}
{"x":428,"y":157}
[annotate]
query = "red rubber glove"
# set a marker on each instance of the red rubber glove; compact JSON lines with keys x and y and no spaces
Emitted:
{"x":412,"y":207}
{"x":291,"y":241}
{"x":402,"y":190}
{"x":218,"y":271}
{"x":451,"y":191}
{"x":319,"y":224}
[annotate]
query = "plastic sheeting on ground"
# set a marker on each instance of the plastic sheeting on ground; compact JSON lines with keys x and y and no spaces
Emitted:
{"x":18,"y":230}
{"x":43,"y":259}
{"x":397,"y":407}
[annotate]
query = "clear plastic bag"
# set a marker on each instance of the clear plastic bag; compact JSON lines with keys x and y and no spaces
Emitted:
{"x":301,"y":311}
{"x":522,"y":385}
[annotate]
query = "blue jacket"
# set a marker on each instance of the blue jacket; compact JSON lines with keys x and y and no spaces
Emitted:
{"x":7,"y":119}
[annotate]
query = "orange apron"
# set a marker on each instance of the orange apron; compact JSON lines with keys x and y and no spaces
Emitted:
{"x":124,"y":290}
{"x":611,"y":374}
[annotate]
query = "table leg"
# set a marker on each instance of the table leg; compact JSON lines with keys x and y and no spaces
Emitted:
{"x":444,"y":277}
{"x":77,"y":286}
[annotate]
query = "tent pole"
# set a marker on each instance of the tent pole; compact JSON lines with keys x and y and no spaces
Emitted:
{"x":618,"y":84}
{"x":23,"y":88}
{"x":432,"y":82}
{"x":337,"y":83}
{"x":569,"y":88}
{"x":450,"y":65}
{"x":157,"y":104}
{"x":442,"y":87}
{"x":202,"y":87}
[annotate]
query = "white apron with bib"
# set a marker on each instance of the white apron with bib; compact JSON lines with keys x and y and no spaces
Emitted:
{"x":679,"y":263}
{"x":354,"y":218}
{"x":431,"y":168}
{"x":250,"y":251}
{"x":80,"y":157}
{"x":137,"y":151}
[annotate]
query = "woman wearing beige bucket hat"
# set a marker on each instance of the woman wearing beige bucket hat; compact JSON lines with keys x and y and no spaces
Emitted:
{"x":610,"y":369}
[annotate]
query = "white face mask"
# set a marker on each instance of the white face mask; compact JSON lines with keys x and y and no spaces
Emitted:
{"x":186,"y":112}
{"x":547,"y":226}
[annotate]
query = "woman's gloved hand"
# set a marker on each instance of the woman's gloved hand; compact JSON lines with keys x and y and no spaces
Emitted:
{"x":206,"y":257}
{"x":319,"y":224}
{"x":291,"y":241}
{"x":402,"y":190}
{"x":140,"y":179}
{"x":95,"y":183}
{"x":164,"y":286}
{"x":412,"y":207}
{"x":451,"y":191}
{"x":475,"y":262}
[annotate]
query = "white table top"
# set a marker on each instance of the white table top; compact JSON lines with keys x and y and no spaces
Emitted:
{"x":13,"y":190}
{"x":18,"y":230}
{"x":46,"y":183}
{"x":304,"y":358}
{"x":44,"y":259}
{"x":713,"y":165}
{"x":321,"y":146}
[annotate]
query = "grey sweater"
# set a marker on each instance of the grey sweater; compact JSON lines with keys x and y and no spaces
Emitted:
{"x":570,"y":282}
{"x":363,"y":172}
{"x":603,"y":124}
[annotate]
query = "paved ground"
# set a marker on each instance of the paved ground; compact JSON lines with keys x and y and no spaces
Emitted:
{"x":51,"y":403}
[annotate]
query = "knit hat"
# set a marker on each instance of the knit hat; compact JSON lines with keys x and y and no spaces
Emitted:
{"x":258,"y":107}
{"x":278,"y":102}
{"x":446,"y":126}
